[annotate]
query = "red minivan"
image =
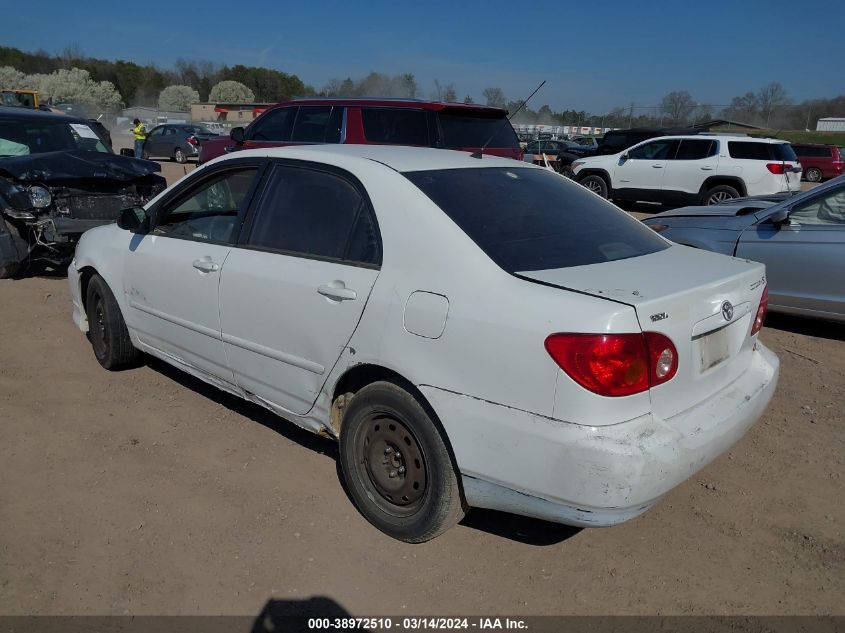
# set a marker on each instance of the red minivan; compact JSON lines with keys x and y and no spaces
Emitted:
{"x":820,"y":162}
{"x":458,"y":126}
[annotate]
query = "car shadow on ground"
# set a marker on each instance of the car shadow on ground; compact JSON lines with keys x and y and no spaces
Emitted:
{"x":817,"y":328}
{"x":516,"y":528}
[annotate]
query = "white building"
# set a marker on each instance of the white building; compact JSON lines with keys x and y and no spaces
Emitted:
{"x":831,"y":124}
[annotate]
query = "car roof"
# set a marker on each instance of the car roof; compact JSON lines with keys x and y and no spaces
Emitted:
{"x":397,"y":157}
{"x":14,"y":112}
{"x":728,"y":137}
{"x":389,"y":102}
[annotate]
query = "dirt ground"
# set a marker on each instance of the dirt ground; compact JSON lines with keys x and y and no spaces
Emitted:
{"x":147,"y":492}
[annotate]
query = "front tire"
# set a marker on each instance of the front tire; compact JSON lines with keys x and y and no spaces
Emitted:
{"x":180,"y":156}
{"x":720,"y":193}
{"x":396,"y":465}
{"x":596,"y":184}
{"x":813,"y":174}
{"x":106,"y":328}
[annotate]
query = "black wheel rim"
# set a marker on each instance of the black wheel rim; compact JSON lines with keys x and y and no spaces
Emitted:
{"x":98,"y":327}
{"x":392,"y":464}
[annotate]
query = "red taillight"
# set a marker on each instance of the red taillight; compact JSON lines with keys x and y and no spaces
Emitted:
{"x":761,"y":312}
{"x":615,"y":364}
{"x":777,"y":168}
{"x":192,"y":140}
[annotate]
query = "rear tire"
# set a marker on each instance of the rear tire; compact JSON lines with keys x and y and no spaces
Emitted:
{"x":180,"y":156}
{"x":396,"y":465}
{"x":813,"y":174}
{"x":106,"y":328}
{"x":596,"y":184}
{"x":720,"y":193}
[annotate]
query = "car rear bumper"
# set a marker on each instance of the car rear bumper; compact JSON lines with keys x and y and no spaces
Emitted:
{"x":581,"y":475}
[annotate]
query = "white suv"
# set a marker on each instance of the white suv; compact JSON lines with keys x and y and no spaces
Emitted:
{"x":696,"y":169}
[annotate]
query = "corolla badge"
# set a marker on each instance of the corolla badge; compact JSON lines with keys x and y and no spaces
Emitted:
{"x":727,"y":310}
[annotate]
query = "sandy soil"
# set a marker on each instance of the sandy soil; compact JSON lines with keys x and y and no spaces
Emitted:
{"x":147,"y":492}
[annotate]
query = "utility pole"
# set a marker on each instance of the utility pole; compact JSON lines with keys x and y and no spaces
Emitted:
{"x":631,"y":114}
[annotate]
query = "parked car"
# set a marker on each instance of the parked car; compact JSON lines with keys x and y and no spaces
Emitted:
{"x":801,"y":240}
{"x":178,"y":142}
{"x":375,"y":121}
{"x":59,"y":178}
{"x":475,"y":332}
{"x":820,"y":162}
{"x":698,"y":169}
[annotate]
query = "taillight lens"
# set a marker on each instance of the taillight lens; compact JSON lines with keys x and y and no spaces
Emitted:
{"x":192,"y":140}
{"x":777,"y":168}
{"x":615,"y":364}
{"x":761,"y":312}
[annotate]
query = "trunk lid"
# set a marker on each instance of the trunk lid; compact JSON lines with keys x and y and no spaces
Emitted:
{"x":681,"y":292}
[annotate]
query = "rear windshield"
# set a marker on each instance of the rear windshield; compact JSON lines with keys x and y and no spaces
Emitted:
{"x":462,"y":130}
{"x":532,"y":219}
{"x":761,"y":151}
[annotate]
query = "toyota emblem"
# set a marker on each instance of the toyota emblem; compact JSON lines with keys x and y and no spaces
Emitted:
{"x":727,"y":310}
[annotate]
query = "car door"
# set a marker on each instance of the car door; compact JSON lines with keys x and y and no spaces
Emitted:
{"x":805,"y":258}
{"x":153,"y":141}
{"x":272,"y":129}
{"x":292,"y":293}
{"x":172,"y":273}
{"x":694,"y":161}
{"x":639,"y":172}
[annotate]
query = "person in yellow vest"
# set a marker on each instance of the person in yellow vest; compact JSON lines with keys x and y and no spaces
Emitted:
{"x":140,"y":133}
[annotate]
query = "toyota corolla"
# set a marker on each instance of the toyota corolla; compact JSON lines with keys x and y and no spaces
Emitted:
{"x":475,"y":332}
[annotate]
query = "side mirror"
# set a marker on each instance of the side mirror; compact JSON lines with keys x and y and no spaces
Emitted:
{"x":134,"y":219}
{"x":127,"y":151}
{"x":237,"y":135}
{"x":780,"y":217}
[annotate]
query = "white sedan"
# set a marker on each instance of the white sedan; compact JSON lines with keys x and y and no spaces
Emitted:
{"x":475,"y":332}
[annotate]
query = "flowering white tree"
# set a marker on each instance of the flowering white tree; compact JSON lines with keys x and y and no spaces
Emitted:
{"x":230,"y":92}
{"x":178,"y":98}
{"x":11,"y":78}
{"x":75,"y":86}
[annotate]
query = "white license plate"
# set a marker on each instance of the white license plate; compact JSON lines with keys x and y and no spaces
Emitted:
{"x":715,"y":348}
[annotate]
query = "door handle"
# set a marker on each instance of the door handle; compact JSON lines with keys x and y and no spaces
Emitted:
{"x":657,"y":166}
{"x":206,"y":265}
{"x":706,"y":169}
{"x":338,"y":292}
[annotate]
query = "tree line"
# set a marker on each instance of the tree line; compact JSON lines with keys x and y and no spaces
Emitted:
{"x":109,"y":83}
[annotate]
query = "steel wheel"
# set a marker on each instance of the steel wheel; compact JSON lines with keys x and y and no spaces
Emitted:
{"x":813,"y":174}
{"x":97,"y":326}
{"x":396,"y":465}
{"x":393,"y":464}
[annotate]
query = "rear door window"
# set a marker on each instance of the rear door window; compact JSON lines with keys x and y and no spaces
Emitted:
{"x":697,"y":149}
{"x":528,"y":219}
{"x":396,"y":126}
{"x":315,"y":124}
{"x":469,"y":129}
{"x":316,"y":214}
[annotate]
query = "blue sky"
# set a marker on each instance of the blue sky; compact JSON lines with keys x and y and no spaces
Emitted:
{"x":594,"y":56}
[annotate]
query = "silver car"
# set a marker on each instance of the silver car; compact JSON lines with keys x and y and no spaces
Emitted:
{"x":800,"y":238}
